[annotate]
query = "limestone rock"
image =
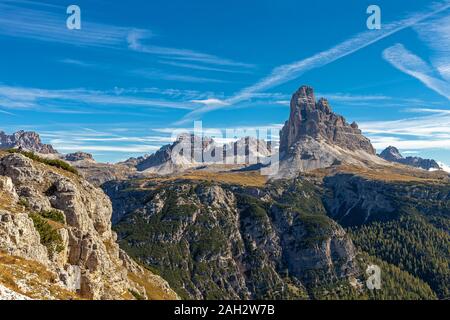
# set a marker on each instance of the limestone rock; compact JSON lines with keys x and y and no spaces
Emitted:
{"x":7,"y":294}
{"x":79,"y":156}
{"x":89,"y":261}
{"x":316,"y":120}
{"x":19,"y":238}
{"x":314,"y":137}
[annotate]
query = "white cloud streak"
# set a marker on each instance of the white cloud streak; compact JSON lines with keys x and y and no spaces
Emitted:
{"x":202,"y":67}
{"x":436,"y":33}
{"x":426,"y":132}
{"x":414,"y":66}
{"x":25,"y":98}
{"x":33,"y":20}
{"x":137,"y":37}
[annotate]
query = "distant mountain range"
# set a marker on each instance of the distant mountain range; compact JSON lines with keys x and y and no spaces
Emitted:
{"x":392,"y":154}
{"x":313,"y":137}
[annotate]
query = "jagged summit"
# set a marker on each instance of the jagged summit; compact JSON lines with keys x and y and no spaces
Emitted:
{"x":79,"y":156}
{"x":315,"y":137}
{"x":392,"y":154}
{"x":315,"y":119}
{"x":175,"y":157}
{"x":29,"y":141}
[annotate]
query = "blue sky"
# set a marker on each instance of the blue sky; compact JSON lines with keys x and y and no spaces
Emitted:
{"x":137,"y":70}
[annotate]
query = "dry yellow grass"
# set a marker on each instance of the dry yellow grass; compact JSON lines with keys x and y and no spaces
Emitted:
{"x":249,"y":178}
{"x":152,"y":285}
{"x":242,"y":178}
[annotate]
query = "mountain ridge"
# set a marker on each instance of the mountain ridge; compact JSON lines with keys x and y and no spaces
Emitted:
{"x":392,"y":154}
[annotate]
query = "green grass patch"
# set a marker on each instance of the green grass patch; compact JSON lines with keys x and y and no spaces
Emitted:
{"x":54,"y":215}
{"x":49,"y":236}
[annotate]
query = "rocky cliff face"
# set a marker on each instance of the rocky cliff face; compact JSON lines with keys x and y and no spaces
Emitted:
{"x":315,"y":137}
{"x":212,"y":241}
{"x":353,"y":200}
{"x":29,"y":141}
{"x":79,"y":156}
{"x":315,"y":119}
{"x":393,"y":155}
{"x":61,"y":222}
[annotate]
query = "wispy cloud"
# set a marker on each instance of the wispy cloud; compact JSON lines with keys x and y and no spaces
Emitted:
{"x":47,"y":24}
{"x":201,"y":67}
{"x":137,"y":37}
{"x":67,"y":148}
{"x":414,"y":66}
{"x":77,"y":63}
{"x":21,"y":98}
{"x":38,"y":21}
{"x":288,"y":72}
{"x":95,"y":141}
{"x":424,"y":132}
{"x":344,"y":97}
{"x":436,"y":33}
{"x":161,"y":75}
{"x":6,"y":112}
{"x":210,"y":102}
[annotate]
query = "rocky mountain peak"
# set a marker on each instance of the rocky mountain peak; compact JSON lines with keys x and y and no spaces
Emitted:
{"x":315,"y":119}
{"x":79,"y":156}
{"x":29,"y":141}
{"x":391,"y":154}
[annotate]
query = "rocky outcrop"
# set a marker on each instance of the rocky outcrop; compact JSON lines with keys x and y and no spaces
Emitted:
{"x":315,"y":137}
{"x":64,"y":223}
{"x":213,"y":241}
{"x":79,"y":156}
{"x":18,"y":237}
{"x":393,"y":155}
{"x":29,"y":141}
{"x":7,"y":294}
{"x":315,"y":119}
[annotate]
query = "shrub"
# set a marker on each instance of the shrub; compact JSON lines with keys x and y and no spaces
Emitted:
{"x":24,"y":202}
{"x":49,"y":236}
{"x":54,"y":215}
{"x":136,"y":295}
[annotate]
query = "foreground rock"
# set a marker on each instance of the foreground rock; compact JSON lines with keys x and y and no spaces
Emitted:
{"x":7,"y":294}
{"x":60,"y":221}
